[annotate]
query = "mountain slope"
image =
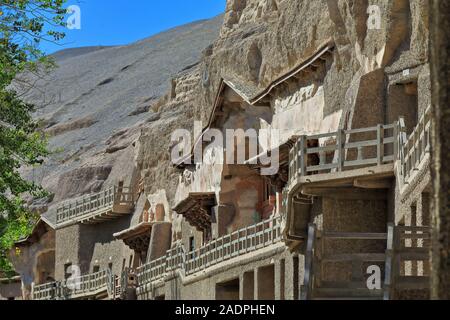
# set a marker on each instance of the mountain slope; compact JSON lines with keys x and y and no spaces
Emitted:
{"x":98,"y":92}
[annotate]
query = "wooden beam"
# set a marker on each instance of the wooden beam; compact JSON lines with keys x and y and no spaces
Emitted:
{"x":373,"y":184}
{"x":349,"y":193}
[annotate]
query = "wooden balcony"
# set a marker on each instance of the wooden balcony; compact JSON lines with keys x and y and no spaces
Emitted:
{"x":96,"y":208}
{"x":238,"y":243}
{"x":235,"y":244}
{"x":344,"y":150}
{"x":88,"y":286}
{"x":48,"y":291}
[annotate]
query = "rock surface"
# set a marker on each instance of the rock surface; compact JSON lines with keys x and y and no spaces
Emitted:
{"x":94,"y":104}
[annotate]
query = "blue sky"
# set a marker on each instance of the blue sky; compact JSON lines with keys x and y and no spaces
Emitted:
{"x":116,"y":22}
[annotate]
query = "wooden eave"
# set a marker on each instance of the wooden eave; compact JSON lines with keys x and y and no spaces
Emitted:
{"x":196,"y":209}
{"x":137,"y":237}
{"x":304,"y":66}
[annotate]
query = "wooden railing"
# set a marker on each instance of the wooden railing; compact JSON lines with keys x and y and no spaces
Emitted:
{"x":240,"y":242}
{"x":152,"y":271}
{"x":342,"y":150}
{"x":76,"y":287}
{"x":80,"y":208}
{"x":414,"y":148}
{"x":408,"y":259}
{"x":235,"y":244}
{"x":308,"y":283}
{"x":48,"y":291}
{"x":86,"y":285}
{"x":387,"y":288}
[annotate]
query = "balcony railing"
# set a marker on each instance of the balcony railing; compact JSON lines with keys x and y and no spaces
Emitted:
{"x":342,"y":150}
{"x":48,"y":291}
{"x":240,"y":242}
{"x":87,"y":285}
{"x":414,"y":148}
{"x":408,"y":259}
{"x":91,"y":206}
{"x":351,"y":149}
{"x":152,"y":271}
{"x":74,"y":288}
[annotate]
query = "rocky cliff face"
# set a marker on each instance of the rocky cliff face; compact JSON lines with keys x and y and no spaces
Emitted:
{"x":118,"y":106}
{"x":95,"y":103}
{"x":261,"y":40}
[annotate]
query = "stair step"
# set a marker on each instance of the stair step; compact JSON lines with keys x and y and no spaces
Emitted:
{"x":344,"y":284}
{"x":354,"y":235}
{"x":412,"y":282}
{"x":346,"y":293}
{"x":413,"y":253}
{"x":369,"y":257}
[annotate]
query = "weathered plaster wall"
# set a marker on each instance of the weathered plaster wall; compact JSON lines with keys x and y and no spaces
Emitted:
{"x":87,"y":246}
{"x":26,"y":260}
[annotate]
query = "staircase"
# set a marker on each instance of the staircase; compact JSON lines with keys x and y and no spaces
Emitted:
{"x":398,"y":267}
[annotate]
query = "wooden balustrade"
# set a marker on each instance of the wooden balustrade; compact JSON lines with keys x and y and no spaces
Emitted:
{"x":76,"y":287}
{"x":408,"y":259}
{"x":48,"y":291}
{"x":86,"y":285}
{"x":414,"y":148}
{"x":350,"y":149}
{"x":242,"y":241}
{"x":90,"y":205}
{"x":342,"y":150}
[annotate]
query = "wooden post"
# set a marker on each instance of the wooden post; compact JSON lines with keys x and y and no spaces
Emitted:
{"x":340,"y":149}
{"x":302,"y":156}
{"x":380,"y":144}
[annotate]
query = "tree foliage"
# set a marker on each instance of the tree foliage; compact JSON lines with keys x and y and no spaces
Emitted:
{"x":23,"y":25}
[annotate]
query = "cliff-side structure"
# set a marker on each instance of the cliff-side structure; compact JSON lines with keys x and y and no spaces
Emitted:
{"x":306,"y":177}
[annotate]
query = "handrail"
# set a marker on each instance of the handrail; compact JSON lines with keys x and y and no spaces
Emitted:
{"x":347,"y":150}
{"x":350,"y":149}
{"x":242,"y":241}
{"x":80,"y":207}
{"x":47,"y":291}
{"x":308,"y":283}
{"x":86,"y":284}
{"x":388,"y":272}
{"x":414,"y":148}
{"x":76,"y":286}
{"x":399,"y":250}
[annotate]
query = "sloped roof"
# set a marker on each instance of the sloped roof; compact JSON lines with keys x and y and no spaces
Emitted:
{"x":251,"y":94}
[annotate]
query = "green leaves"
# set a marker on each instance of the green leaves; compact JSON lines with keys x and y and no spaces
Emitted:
{"x":23,"y":25}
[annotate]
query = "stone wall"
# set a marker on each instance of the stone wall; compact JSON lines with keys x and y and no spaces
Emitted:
{"x":440,"y":21}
